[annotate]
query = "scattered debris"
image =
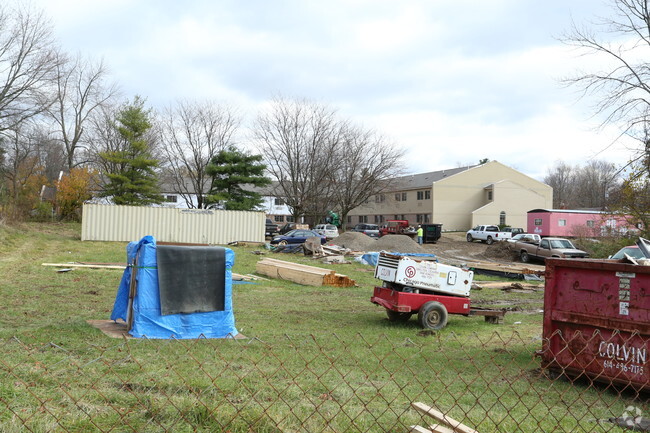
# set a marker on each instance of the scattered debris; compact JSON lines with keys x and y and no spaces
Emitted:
{"x":302,"y":274}
{"x":335,"y":260}
{"x":509,"y":271}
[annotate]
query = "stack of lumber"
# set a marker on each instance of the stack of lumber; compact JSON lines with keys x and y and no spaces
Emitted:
{"x":302,"y":274}
{"x":507,"y":269}
{"x":445,"y":424}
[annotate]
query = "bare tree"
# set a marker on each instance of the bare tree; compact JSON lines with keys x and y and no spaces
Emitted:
{"x":23,"y":169}
{"x":80,"y":90}
{"x":593,"y":184}
{"x":369,"y":163}
{"x":27,"y":63}
{"x":622,"y":87}
{"x":561,"y":177}
{"x":300,"y":142}
{"x":192,"y":134}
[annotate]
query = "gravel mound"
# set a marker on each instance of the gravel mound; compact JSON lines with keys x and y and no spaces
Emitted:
{"x":399,"y":244}
{"x":355,"y":241}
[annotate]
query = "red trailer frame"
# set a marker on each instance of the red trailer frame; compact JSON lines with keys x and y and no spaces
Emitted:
{"x":401,"y":305}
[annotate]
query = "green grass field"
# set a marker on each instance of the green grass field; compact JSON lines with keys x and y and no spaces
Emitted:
{"x":315,"y":358}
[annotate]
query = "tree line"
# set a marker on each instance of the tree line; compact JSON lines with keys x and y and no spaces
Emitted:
{"x":64,"y":125}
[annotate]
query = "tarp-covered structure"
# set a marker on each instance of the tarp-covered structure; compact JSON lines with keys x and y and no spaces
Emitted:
{"x":176,"y":291}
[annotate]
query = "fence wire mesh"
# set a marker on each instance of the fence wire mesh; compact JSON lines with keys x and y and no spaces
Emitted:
{"x":325,"y":383}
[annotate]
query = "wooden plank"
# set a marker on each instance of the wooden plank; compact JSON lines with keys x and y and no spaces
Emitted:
{"x":293,"y":265}
{"x":437,"y":428}
{"x":419,"y":429}
{"x":78,"y":265}
{"x":456,"y":426}
{"x":302,"y":268}
{"x":294,"y":275}
{"x":302,"y":274}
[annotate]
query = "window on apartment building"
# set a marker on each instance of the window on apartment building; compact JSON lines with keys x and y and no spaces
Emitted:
{"x":278,"y":201}
{"x":404,"y":196}
{"x":363,"y":218}
{"x":398,"y":197}
{"x":502,"y":218}
{"x":538,"y":221}
{"x":278,"y":218}
{"x":427,"y":195}
{"x":379,"y":198}
{"x":561,"y":223}
{"x":590,"y":223}
{"x":420,"y":195}
{"x":350,"y":218}
{"x":422,"y":218}
{"x":171,"y":198}
{"x":490,"y":195}
{"x":289,"y":218}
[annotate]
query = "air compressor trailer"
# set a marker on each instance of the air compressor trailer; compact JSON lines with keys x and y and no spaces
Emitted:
{"x":432,"y":290}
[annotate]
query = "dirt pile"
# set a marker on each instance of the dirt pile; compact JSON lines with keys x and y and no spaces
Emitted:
{"x":399,"y":244}
{"x":355,"y":241}
{"x":500,"y":250}
{"x":359,"y":242}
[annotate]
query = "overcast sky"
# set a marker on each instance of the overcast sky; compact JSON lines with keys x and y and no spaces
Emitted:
{"x":450,"y":81}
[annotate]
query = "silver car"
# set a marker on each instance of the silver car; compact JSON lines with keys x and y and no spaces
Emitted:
{"x":328,"y":230}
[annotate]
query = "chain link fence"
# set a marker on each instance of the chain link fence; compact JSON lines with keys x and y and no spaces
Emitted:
{"x":305,"y":383}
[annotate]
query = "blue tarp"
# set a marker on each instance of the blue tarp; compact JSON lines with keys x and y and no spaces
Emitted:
{"x":372,"y":257}
{"x":147,"y":320}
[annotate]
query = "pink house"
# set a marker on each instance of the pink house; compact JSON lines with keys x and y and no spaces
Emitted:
{"x":577,"y":223}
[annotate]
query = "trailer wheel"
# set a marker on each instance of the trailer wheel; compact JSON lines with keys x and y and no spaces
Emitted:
{"x":432,"y":315}
{"x":490,"y":240}
{"x":469,"y":238}
{"x":397,"y":316}
{"x":524,"y":257}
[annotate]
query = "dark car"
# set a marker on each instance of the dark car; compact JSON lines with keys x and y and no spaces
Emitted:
{"x":298,"y":236}
{"x":271,"y":228}
{"x":371,"y":230}
{"x":287,"y":227}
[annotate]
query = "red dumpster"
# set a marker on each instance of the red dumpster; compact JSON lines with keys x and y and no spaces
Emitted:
{"x":597,"y":320}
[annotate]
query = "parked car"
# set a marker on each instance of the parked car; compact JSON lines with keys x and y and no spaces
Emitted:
{"x":525,"y":237}
{"x":632,"y":251}
{"x":287,"y":227}
{"x":371,"y":230}
{"x":328,"y":230}
{"x":548,"y":247}
{"x":514,"y":230}
{"x":487,"y":234}
{"x":271,"y":227}
{"x":298,"y":236}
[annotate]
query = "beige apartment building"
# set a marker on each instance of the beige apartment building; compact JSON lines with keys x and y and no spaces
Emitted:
{"x":459,"y":198}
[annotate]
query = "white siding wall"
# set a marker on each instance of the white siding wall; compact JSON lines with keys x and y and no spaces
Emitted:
{"x":201,"y":226}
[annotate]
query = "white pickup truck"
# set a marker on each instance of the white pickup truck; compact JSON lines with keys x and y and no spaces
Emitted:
{"x":487,"y":234}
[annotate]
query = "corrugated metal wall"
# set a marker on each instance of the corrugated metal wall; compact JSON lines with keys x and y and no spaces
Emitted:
{"x":200,"y":226}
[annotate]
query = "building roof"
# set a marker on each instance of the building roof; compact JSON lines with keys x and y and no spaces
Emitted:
{"x":587,"y":211}
{"x":425,"y":180}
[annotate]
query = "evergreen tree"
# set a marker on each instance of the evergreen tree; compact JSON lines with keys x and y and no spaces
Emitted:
{"x":134,"y":180}
{"x":231,"y":171}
